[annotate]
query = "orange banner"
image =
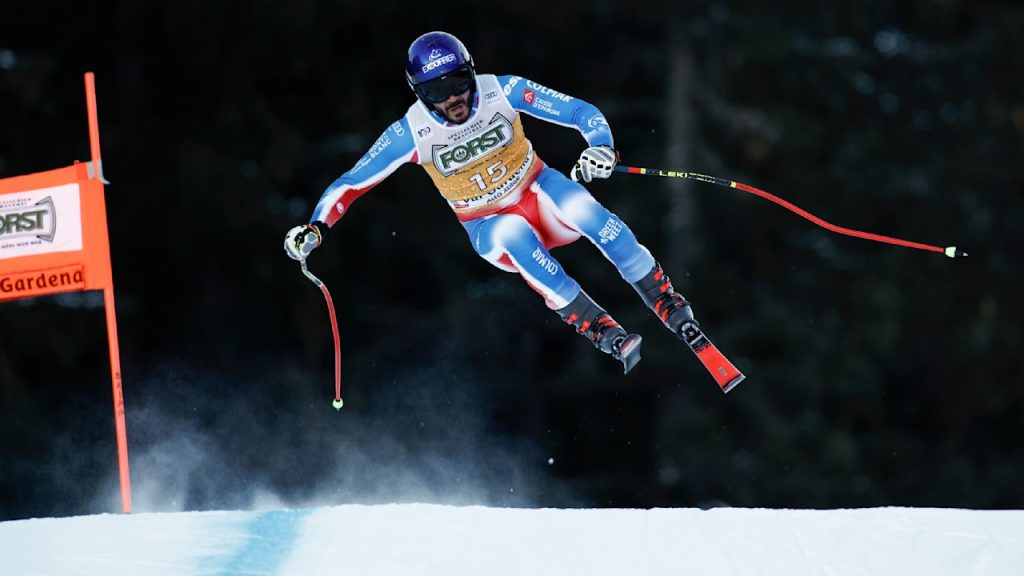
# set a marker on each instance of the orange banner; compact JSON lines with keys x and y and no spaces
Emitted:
{"x":53,"y":233}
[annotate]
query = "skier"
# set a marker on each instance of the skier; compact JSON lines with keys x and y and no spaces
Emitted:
{"x":465,"y":130}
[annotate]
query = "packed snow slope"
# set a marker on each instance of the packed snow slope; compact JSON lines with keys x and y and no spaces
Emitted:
{"x":420,"y":539}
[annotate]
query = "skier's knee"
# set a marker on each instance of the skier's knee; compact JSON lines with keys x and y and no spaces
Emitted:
{"x":582,"y":210}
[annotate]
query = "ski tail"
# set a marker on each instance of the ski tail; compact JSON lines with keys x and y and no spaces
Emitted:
{"x":628,"y":352}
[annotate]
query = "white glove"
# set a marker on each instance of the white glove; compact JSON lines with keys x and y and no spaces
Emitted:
{"x":301,"y":240}
{"x":595,"y":162}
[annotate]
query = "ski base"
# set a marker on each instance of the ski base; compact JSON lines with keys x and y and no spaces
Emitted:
{"x":725,"y":374}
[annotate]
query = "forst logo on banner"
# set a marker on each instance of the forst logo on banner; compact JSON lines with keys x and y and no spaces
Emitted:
{"x":41,"y":221}
{"x":37,"y":221}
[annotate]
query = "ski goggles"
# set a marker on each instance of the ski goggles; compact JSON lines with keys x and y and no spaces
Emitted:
{"x":440,"y":89}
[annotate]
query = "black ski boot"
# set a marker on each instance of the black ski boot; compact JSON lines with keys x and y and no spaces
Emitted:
{"x":674,"y":311}
{"x":607,"y":336}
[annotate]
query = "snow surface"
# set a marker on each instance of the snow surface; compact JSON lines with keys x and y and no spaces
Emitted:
{"x":422,"y":539}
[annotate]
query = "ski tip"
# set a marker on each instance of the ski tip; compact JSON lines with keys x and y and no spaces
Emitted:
{"x":733,"y":383}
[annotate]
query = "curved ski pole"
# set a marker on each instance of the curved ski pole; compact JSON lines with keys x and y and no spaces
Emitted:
{"x":950,"y":251}
{"x":337,"y":403}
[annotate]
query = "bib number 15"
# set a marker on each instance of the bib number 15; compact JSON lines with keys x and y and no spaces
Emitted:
{"x":495,"y":173}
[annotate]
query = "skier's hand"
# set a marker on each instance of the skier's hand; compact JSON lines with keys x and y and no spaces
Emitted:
{"x":301,"y":240}
{"x":595,"y":162}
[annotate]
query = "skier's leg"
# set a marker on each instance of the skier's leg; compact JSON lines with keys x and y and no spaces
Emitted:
{"x":660,"y":296}
{"x":510,"y":243}
{"x":605,"y":333}
{"x":575,"y":207}
{"x":572,"y":205}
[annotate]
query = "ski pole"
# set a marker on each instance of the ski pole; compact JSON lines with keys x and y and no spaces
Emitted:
{"x":337,"y":403}
{"x":950,"y":251}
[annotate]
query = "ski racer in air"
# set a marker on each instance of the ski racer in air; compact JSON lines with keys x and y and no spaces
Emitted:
{"x":465,"y":130}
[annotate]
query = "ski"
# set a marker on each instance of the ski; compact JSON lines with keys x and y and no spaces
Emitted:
{"x":725,"y":374}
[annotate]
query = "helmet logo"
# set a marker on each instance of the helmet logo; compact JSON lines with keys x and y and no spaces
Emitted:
{"x":438,"y":62}
{"x":435,"y":54}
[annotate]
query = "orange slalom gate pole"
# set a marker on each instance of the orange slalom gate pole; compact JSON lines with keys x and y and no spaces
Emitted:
{"x":108,"y":304}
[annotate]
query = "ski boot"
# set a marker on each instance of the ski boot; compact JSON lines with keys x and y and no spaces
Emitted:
{"x":674,"y":311}
{"x":607,"y":336}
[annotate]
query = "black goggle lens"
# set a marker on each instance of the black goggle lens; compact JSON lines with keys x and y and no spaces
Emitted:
{"x":439,"y":89}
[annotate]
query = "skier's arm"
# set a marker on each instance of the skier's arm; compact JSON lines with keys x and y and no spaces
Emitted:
{"x":552,"y":106}
{"x":394,"y":148}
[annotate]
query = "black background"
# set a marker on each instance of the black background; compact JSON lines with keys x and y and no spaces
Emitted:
{"x":877,"y":375}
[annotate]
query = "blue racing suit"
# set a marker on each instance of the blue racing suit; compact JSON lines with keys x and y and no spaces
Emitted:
{"x":513,"y":206}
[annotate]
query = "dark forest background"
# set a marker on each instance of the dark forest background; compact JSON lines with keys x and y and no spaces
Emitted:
{"x":877,"y":375}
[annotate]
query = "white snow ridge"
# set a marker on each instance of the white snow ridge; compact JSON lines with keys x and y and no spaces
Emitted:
{"x":421,"y":539}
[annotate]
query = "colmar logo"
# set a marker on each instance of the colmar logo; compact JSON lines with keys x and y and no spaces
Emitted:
{"x":528,"y":96}
{"x":548,"y":264}
{"x":548,"y":91}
